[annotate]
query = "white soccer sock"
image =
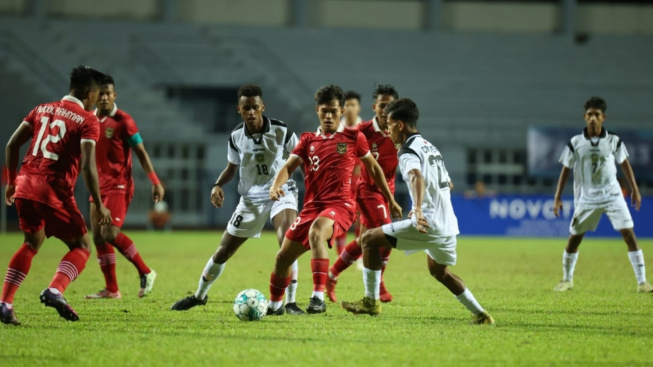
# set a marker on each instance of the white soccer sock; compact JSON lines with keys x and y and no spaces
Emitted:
{"x":274,"y":305}
{"x":211,"y":273}
{"x":291,"y":291}
{"x":318,"y":294}
{"x":372,"y":281}
{"x":468,"y":300}
{"x":568,"y":265}
{"x":637,"y":260}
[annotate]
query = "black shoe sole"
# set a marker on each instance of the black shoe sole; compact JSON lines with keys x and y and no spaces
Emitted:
{"x":64,"y":310}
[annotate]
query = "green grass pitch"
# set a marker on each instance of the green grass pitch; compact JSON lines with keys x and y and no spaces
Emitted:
{"x":602,"y":321}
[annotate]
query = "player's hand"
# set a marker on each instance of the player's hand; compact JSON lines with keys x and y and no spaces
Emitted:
{"x":636,"y":200}
{"x":422,"y":223}
{"x":276,"y":193}
{"x":410,"y":214}
{"x":158,"y":192}
{"x":217,"y":196}
{"x":557,"y":207}
{"x":10,"y":190}
{"x":103,"y":214}
{"x":395,"y":210}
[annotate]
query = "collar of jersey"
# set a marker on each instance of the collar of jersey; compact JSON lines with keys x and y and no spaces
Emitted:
{"x":410,"y":137}
{"x":341,"y":128}
{"x":70,"y":98}
{"x":113,"y":112}
{"x":377,"y":128}
{"x":603,"y":133}
{"x":266,"y":127}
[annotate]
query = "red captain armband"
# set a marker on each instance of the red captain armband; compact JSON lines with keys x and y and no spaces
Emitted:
{"x":153,"y":178}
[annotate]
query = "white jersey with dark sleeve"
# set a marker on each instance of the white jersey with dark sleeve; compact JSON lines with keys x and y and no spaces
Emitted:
{"x":417,"y":153}
{"x":260,"y":156}
{"x":595,"y":172}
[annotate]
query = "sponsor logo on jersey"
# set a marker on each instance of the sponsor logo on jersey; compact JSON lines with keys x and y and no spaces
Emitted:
{"x":341,"y":148}
{"x":332,"y":213}
{"x":312,"y":148}
{"x":108,"y":133}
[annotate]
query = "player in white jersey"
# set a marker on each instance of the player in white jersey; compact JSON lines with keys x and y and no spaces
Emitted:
{"x":432,"y":225}
{"x":257,"y":149}
{"x":592,"y":156}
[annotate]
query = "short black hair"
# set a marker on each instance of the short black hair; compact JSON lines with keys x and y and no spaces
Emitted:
{"x":108,"y":79}
{"x":350,"y":94}
{"x":596,"y":102}
{"x":250,"y":90}
{"x":384,"y":90}
{"x":83,"y":78}
{"x":403,"y":109}
{"x":328,"y":93}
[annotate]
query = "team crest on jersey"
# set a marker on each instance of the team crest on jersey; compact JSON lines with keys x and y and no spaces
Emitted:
{"x":341,"y":148}
{"x":108,"y":133}
{"x":260,"y":158}
{"x":312,"y":149}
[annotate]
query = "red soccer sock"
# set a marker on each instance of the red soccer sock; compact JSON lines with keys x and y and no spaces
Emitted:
{"x":278,"y":287}
{"x":349,"y":255}
{"x":320,"y":267}
{"x":16,"y":272}
{"x":127,"y":248}
{"x":69,"y":268}
{"x":106,"y":257}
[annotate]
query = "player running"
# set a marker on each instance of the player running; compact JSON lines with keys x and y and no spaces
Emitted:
{"x":329,"y":156}
{"x":432,"y":226}
{"x":592,"y":156}
{"x":62,"y":133}
{"x":351,"y":120}
{"x":257,"y":149}
{"x":118,"y":136}
{"x":371,"y":203}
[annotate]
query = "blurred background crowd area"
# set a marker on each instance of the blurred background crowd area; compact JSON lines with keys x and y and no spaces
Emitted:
{"x":500,"y":84}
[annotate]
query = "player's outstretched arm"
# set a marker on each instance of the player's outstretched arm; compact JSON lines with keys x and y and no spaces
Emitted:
{"x":157,"y":189}
{"x":377,"y":175}
{"x":12,"y":150}
{"x":282,"y":176}
{"x":89,"y":172}
{"x":557,"y":199}
{"x":416,"y":182}
{"x":217,"y":194}
{"x":636,"y":198}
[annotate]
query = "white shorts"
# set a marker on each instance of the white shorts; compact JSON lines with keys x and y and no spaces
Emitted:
{"x":587,"y":219}
{"x":410,"y":240}
{"x":249,"y":218}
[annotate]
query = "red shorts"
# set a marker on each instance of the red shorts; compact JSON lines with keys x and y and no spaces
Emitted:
{"x":342,"y":214}
{"x":118,"y":203}
{"x":373,"y":207}
{"x":64,"y":223}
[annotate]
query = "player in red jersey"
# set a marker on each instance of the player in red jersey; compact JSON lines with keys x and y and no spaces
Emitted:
{"x":118,"y":136}
{"x":329,"y":156}
{"x":62,"y":132}
{"x":371,"y":203}
{"x":351,"y":120}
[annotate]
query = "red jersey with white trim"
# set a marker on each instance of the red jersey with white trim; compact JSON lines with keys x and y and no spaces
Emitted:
{"x":383,"y":150}
{"x":329,"y":160}
{"x":113,"y":152}
{"x":58,"y":129}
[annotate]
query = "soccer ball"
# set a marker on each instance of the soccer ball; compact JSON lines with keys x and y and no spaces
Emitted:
{"x":250,"y":305}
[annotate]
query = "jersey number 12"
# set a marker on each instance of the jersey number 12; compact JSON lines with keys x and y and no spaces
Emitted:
{"x":43,"y":143}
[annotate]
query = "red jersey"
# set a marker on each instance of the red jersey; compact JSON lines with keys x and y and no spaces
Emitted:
{"x":329,"y":160}
{"x":383,"y":150}
{"x":58,"y":128}
{"x":118,"y":132}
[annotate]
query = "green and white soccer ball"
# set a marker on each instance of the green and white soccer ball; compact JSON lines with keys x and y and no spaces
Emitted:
{"x":250,"y":305}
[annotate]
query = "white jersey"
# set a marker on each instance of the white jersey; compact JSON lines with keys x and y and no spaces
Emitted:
{"x":417,"y":153}
{"x":595,"y":172}
{"x":260,"y":156}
